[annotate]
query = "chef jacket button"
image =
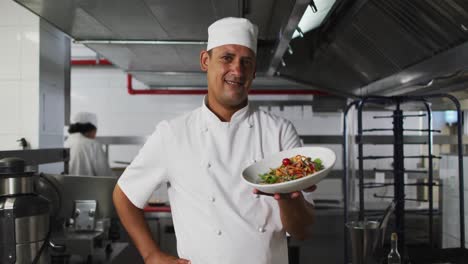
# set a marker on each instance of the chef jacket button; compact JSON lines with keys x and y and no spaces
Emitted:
{"x":212,"y":199}
{"x":208,"y":165}
{"x":205,"y":130}
{"x":261,"y":229}
{"x":257,"y":196}
{"x":219,"y":232}
{"x":250,"y":125}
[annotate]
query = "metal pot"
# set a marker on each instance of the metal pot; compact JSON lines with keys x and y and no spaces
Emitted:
{"x":366,"y":241}
{"x":24,"y":216}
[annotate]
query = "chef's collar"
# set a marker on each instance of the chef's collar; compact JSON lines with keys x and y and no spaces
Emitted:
{"x":76,"y":135}
{"x":239,"y":116}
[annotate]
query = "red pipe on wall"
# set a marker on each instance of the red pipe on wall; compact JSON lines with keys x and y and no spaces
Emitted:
{"x":90,"y":62}
{"x":132,"y":91}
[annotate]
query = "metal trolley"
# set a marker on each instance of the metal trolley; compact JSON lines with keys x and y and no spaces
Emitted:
{"x":399,"y":170}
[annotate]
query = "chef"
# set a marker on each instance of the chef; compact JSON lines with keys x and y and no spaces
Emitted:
{"x":86,"y":154}
{"x":200,"y":156}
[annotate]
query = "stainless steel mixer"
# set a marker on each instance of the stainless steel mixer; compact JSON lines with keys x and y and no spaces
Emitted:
{"x":24,"y":216}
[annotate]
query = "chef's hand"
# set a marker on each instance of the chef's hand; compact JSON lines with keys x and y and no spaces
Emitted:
{"x":281,"y":196}
{"x":163,"y":258}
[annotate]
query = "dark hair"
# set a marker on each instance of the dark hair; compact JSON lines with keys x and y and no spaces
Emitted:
{"x":81,"y":128}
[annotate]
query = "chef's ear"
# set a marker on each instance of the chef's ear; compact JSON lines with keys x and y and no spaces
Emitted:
{"x":204,"y":57}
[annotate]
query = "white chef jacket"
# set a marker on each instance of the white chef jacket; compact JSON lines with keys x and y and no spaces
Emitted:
{"x":217,"y":218}
{"x":86,"y":156}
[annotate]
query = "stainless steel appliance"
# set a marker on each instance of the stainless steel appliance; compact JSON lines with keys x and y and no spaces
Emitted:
{"x":366,"y":241}
{"x":24,"y":216}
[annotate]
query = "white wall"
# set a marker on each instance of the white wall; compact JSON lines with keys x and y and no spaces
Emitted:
{"x":19,"y":76}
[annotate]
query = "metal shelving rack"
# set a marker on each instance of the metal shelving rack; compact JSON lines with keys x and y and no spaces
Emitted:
{"x":398,"y":163}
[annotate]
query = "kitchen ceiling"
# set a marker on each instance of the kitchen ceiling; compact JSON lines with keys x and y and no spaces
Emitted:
{"x":180,"y":26}
{"x":363,"y":47}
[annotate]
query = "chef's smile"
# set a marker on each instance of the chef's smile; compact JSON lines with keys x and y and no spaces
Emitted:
{"x":235,"y":84}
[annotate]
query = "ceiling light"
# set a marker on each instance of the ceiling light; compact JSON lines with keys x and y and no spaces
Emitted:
{"x":311,"y":20}
{"x":283,"y":63}
{"x":299,"y":31}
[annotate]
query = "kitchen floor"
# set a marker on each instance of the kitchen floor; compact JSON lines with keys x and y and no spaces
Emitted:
{"x":326,"y":245}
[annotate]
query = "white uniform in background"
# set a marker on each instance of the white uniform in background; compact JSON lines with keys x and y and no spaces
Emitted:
{"x":216,"y":216}
{"x":86,"y":156}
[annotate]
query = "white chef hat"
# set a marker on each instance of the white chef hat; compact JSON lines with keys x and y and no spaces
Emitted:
{"x":84,"y":117}
{"x":232,"y":30}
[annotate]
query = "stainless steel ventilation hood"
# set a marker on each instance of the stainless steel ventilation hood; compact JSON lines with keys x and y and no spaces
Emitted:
{"x":377,"y":47}
{"x":383,"y":47}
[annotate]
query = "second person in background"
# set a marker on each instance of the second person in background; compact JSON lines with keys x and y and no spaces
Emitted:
{"x":87,"y":156}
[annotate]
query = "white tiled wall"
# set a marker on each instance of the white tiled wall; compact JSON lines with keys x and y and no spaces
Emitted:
{"x":32,"y":81}
{"x":19,"y":75}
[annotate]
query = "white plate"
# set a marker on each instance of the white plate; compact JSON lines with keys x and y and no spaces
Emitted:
{"x":251,"y":174}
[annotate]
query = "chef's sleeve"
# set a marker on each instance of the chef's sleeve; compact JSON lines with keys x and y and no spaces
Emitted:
{"x":147,"y":171}
{"x":289,"y":137}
